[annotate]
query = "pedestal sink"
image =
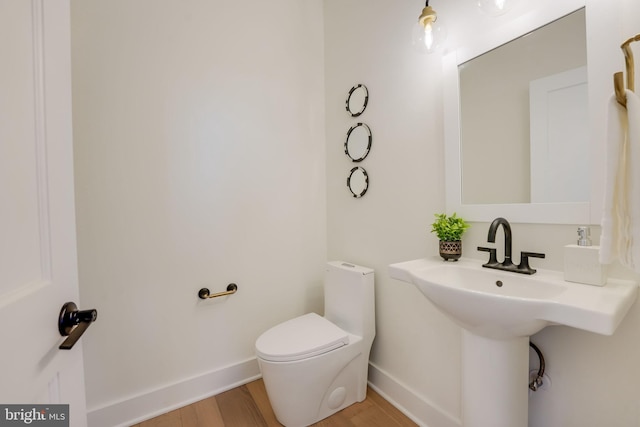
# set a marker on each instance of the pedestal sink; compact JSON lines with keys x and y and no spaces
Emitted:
{"x":498,"y":312}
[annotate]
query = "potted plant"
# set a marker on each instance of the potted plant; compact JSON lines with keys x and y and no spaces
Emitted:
{"x":449,"y":230}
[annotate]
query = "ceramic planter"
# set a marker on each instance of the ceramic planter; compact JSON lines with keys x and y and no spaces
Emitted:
{"x":451,"y":251}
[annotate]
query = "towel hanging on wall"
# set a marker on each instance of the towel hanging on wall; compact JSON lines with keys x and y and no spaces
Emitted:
{"x":620,"y":239}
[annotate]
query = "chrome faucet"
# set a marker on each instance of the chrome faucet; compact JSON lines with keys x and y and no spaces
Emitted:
{"x":507,"y":264}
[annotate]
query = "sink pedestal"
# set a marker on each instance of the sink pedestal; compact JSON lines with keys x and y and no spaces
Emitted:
{"x":495,"y":381}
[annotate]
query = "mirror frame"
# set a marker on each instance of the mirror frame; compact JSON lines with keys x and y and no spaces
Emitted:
{"x":542,"y":213}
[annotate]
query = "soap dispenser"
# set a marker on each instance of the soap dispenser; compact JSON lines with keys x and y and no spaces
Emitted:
{"x":581,"y":261}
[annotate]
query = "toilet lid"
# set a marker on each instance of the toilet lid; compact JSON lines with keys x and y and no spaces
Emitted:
{"x":300,"y":338}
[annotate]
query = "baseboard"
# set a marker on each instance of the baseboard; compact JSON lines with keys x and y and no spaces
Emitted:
{"x":144,"y":406}
{"x":417,"y":408}
{"x":164,"y":399}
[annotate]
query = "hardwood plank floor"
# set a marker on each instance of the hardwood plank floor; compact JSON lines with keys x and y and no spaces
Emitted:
{"x":248,"y":406}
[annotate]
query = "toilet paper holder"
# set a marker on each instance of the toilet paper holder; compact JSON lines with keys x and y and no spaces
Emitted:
{"x":204,"y":293}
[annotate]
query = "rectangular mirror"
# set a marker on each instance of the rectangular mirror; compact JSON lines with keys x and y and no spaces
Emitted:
{"x":516,"y":128}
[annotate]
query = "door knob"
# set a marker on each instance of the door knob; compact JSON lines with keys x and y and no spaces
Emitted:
{"x":72,"y":323}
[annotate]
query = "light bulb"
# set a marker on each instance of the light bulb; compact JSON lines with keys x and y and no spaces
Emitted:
{"x":428,"y":33}
{"x":495,"y":7}
{"x":428,"y":36}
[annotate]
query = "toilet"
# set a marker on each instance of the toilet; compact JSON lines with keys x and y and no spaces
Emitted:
{"x":314,"y":366}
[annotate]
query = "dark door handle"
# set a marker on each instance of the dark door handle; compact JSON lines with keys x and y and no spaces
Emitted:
{"x":72,"y":323}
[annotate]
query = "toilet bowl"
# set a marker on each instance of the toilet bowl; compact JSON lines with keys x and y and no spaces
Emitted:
{"x":314,"y":366}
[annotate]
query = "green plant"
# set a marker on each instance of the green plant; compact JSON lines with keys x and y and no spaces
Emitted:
{"x":449,"y":228}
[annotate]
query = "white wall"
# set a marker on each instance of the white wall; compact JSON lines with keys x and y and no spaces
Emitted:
{"x":369,"y":42}
{"x":416,"y":357}
{"x":200,"y":161}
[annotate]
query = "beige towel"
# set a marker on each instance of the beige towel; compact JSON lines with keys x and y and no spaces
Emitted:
{"x":620,"y":238}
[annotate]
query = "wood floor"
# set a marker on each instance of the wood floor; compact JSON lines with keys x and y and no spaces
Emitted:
{"x":248,"y":406}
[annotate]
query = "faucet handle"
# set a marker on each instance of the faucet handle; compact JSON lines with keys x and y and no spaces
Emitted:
{"x":524,"y":261}
{"x":493,"y":260}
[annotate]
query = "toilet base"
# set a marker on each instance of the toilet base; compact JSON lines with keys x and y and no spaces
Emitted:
{"x":306,"y":391}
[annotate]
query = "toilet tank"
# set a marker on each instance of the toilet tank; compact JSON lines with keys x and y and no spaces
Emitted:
{"x":349,"y":298}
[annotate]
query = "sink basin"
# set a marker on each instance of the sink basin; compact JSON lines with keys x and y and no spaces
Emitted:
{"x":503,"y":305}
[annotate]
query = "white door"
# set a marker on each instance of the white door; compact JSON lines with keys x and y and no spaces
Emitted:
{"x":559,"y":126}
{"x":38,"y":267}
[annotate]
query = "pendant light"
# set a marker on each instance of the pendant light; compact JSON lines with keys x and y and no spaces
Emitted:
{"x":428,"y":34}
{"x":495,"y":7}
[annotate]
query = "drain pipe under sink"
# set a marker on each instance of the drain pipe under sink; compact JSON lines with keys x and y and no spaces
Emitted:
{"x":536,"y":383}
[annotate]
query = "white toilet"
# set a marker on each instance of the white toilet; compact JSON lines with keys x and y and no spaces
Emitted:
{"x":314,"y":366}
